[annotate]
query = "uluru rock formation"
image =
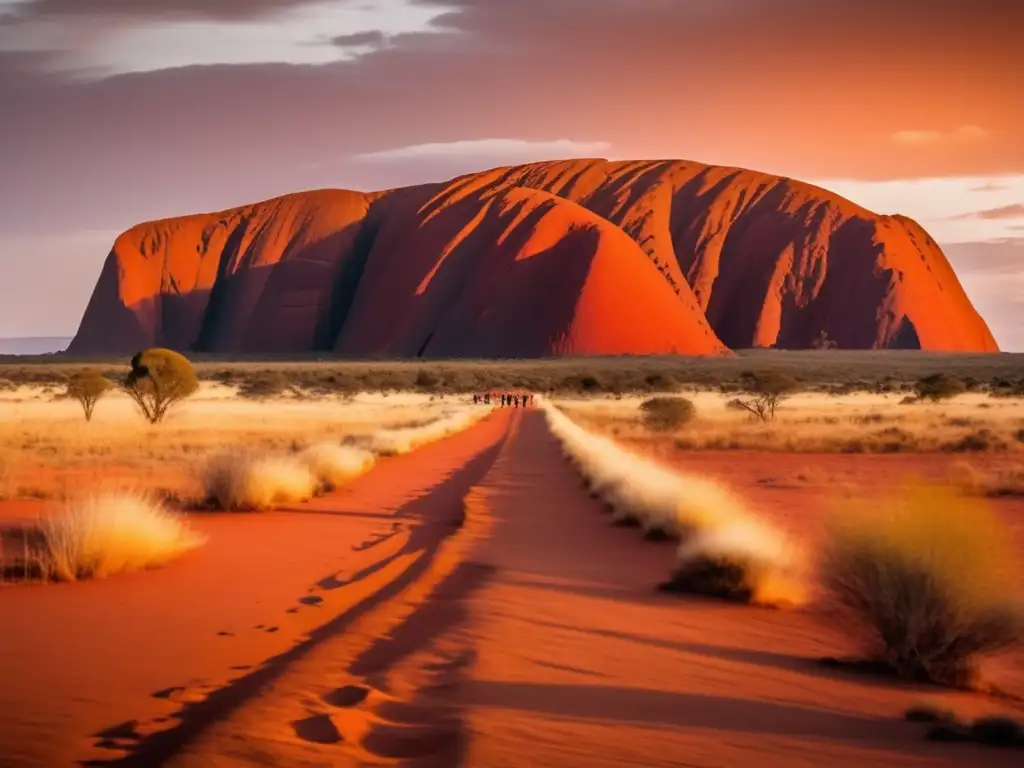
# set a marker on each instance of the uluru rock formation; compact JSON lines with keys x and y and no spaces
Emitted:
{"x":573,"y":257}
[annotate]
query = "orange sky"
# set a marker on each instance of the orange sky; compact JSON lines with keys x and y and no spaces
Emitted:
{"x":131,"y":111}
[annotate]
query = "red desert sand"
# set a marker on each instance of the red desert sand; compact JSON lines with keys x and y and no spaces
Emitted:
{"x":466,"y":604}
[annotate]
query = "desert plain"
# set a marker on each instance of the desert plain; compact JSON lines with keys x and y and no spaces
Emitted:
{"x":467,"y":599}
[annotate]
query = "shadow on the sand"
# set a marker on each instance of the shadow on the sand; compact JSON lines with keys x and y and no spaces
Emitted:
{"x":618,"y":704}
{"x":438,"y":513}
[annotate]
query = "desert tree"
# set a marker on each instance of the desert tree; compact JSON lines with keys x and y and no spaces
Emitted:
{"x":87,"y":387}
{"x":158,"y":380}
{"x":763,"y":392}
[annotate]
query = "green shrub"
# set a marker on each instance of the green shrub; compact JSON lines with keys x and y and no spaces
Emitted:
{"x":663,"y":414}
{"x":158,"y":380}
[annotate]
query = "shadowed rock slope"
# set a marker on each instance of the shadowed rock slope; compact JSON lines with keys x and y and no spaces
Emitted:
{"x":573,"y":257}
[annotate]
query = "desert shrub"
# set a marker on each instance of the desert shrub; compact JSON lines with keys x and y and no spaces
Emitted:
{"x":928,"y":576}
{"x":87,"y":387}
{"x":735,"y":404}
{"x":264,"y":385}
{"x":255,"y":482}
{"x":764,"y":391}
{"x":938,"y":387}
{"x":660,"y":382}
{"x":583,"y":383}
{"x":743,"y":561}
{"x":998,"y":731}
{"x":978,"y":441}
{"x":334,"y":464}
{"x":158,"y":380}
{"x":1019,"y":435}
{"x":426,"y":380}
{"x":823,"y":342}
{"x":663,"y":414}
{"x":104,"y":534}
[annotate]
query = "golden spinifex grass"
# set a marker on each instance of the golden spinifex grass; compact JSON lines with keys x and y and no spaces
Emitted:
{"x":725,"y":549}
{"x":255,"y":482}
{"x":333,"y":464}
{"x":930,"y":576}
{"x":107,"y":533}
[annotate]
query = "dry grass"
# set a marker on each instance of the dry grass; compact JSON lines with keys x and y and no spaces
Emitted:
{"x":47,"y":444}
{"x":394,"y":442}
{"x":819,"y":423}
{"x":333,"y":464}
{"x":725,"y":549}
{"x":256,"y":482}
{"x":102,"y":535}
{"x":929,"y":576}
{"x":992,"y":482}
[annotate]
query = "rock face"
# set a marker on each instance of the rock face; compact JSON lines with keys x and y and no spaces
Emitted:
{"x":574,"y":257}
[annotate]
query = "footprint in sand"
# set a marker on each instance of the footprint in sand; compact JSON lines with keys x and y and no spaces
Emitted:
{"x":225,"y":634}
{"x":317,"y":729}
{"x":346,"y":696}
{"x":119,"y":737}
{"x":167,"y":693}
{"x":311,"y":600}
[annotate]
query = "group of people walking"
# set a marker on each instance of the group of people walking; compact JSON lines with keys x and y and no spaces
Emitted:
{"x":508,"y":399}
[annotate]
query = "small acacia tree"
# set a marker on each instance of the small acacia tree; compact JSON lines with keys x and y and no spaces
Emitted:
{"x":663,"y":414}
{"x":87,"y":387}
{"x":158,"y":380}
{"x":764,"y":391}
{"x":938,"y":387}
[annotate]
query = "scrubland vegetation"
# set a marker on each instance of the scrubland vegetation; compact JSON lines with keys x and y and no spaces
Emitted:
{"x":96,"y":536}
{"x":819,"y":423}
{"x":832,"y":372}
{"x":929,"y":576}
{"x":725,"y":550}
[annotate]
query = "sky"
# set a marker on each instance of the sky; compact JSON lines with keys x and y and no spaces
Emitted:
{"x":114,"y":112}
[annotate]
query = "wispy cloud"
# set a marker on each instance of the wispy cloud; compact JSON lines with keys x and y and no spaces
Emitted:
{"x":513,"y":150}
{"x":990,"y":186}
{"x":960,"y":135}
{"x":1015,"y":211}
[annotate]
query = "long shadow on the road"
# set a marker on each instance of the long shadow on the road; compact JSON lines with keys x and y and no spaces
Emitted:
{"x":440,"y":513}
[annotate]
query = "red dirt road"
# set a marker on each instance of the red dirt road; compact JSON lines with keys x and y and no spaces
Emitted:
{"x":504,"y":624}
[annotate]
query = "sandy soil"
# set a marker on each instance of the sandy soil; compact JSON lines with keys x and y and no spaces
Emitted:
{"x":516,"y":628}
{"x":79,"y":661}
